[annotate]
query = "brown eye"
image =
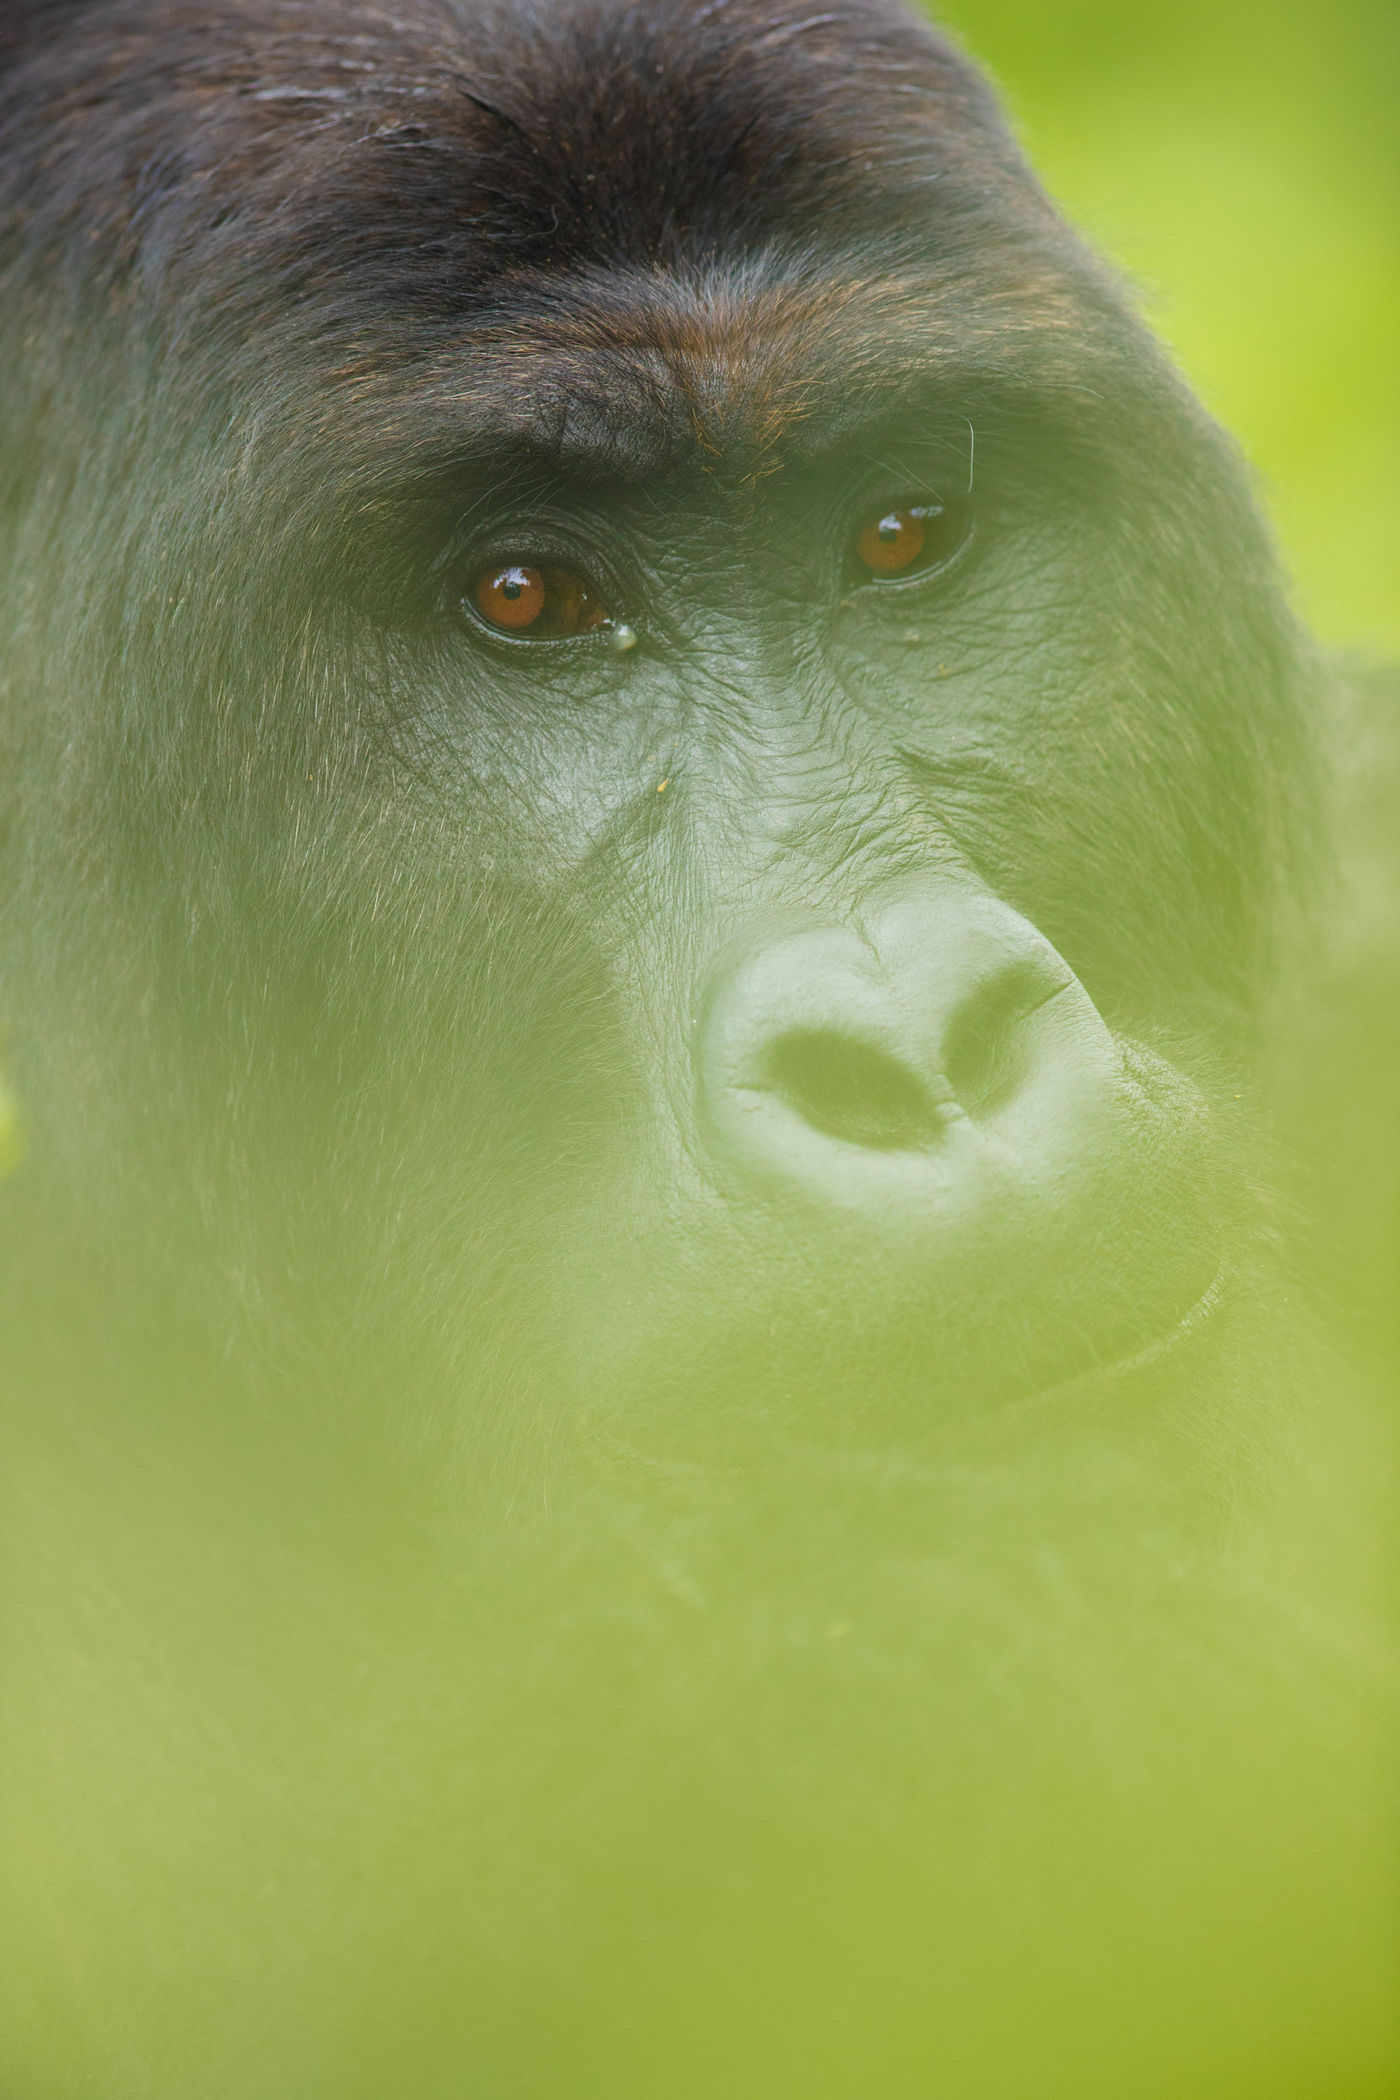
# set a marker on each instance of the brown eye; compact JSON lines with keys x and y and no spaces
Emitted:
{"x":545,"y":604}
{"x":512,"y":598}
{"x":903,"y":541}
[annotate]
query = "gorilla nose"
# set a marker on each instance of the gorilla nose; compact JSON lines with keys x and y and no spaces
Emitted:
{"x":935,"y":1056}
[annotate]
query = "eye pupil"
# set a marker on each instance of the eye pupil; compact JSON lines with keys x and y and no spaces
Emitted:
{"x":511,"y":589}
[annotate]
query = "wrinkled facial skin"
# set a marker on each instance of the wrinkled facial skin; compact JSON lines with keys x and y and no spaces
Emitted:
{"x":656,"y":793}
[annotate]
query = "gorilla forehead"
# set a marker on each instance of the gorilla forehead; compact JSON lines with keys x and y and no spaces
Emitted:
{"x":459,"y":144}
{"x":632,"y":232}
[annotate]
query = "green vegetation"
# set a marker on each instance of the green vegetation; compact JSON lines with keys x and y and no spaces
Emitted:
{"x":1241,"y":160}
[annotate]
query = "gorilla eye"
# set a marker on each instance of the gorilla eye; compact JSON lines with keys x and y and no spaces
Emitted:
{"x":908,"y":540}
{"x":539,"y":604}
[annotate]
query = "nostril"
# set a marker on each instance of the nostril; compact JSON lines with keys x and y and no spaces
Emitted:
{"x":990,"y":1044}
{"x":849,"y":1090}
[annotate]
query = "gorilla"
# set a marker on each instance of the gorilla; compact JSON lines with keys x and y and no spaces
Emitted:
{"x":696,"y":1330}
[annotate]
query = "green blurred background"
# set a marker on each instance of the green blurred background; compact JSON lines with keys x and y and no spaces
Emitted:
{"x":1240,"y":159}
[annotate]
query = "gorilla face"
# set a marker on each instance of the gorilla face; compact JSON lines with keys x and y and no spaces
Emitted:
{"x":685,"y":741}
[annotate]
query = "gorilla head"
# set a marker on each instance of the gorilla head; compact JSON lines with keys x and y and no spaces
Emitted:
{"x":655,"y":791}
{"x":651,"y":753}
